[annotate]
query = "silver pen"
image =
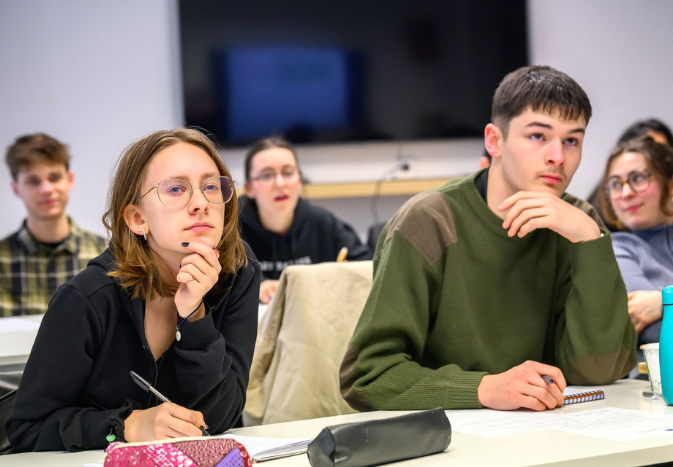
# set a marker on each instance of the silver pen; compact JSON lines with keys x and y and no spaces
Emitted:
{"x":142,"y":382}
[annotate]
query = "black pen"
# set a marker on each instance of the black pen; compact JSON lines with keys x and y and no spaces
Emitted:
{"x":140,"y":381}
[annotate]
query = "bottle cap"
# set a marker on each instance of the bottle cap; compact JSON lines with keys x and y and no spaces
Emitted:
{"x":667,"y":295}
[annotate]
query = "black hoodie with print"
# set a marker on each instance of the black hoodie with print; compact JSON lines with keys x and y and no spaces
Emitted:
{"x":315,"y":236}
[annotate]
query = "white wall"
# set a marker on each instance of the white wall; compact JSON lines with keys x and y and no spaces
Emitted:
{"x":95,"y":75}
{"x":620,"y":52}
{"x":99,"y":75}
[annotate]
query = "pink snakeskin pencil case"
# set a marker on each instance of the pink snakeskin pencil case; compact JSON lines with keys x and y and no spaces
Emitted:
{"x":181,"y":452}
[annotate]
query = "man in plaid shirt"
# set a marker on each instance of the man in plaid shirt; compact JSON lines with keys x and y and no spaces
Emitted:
{"x":49,"y":249}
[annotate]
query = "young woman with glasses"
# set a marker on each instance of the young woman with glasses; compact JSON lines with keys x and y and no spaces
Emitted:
{"x":637,"y":199}
{"x":281,"y":228}
{"x":173,"y":299}
{"x":655,"y":129}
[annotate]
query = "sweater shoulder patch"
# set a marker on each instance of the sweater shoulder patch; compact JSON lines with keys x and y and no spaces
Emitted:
{"x":426,"y":222}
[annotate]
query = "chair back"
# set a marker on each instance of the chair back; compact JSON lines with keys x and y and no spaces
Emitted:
{"x":302,"y":340}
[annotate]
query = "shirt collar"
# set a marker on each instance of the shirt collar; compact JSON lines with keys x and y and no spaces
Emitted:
{"x":32,"y":245}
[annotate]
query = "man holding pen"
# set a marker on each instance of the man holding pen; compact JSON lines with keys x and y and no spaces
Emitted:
{"x":496,"y":289}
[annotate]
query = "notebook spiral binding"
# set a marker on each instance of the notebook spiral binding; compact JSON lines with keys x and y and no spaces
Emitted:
{"x":583,"y":397}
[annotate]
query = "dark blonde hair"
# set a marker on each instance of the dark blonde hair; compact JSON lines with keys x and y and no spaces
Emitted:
{"x":659,"y":160}
{"x":136,"y":266}
{"x":38,"y":147}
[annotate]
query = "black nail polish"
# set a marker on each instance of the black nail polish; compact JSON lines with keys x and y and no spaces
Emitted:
{"x":185,"y":243}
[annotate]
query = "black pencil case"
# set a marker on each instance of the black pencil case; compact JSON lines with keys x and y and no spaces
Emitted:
{"x":377,"y":442}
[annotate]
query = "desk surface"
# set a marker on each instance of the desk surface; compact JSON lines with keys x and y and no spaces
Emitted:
{"x":529,"y":449}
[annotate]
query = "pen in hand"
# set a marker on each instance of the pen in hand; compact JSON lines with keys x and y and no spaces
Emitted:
{"x":140,"y":381}
{"x":549,"y":380}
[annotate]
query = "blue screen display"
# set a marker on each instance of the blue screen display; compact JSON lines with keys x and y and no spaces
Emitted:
{"x":275,"y":89}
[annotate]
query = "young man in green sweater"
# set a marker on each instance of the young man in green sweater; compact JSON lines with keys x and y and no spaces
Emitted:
{"x":488,"y":283}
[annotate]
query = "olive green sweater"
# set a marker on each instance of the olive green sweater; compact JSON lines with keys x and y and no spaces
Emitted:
{"x":454,"y":298}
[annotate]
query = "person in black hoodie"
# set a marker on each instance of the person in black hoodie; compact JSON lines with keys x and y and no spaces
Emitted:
{"x":174,"y":298}
{"x":280,"y":227}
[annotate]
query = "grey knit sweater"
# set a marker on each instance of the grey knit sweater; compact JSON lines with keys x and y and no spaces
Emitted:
{"x":645,"y":258}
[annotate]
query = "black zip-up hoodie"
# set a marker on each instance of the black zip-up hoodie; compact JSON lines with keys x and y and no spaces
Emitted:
{"x":315,"y":236}
{"x":76,"y":385}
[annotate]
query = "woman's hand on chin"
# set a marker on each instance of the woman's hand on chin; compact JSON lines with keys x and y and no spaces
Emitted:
{"x":198,"y":273}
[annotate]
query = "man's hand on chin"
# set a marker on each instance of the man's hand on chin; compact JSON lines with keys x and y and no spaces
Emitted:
{"x":531,"y":210}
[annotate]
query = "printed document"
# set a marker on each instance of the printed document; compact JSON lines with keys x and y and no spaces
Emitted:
{"x":608,"y":423}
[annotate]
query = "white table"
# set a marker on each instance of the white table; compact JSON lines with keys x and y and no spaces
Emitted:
{"x":529,"y":449}
{"x":17,"y":335}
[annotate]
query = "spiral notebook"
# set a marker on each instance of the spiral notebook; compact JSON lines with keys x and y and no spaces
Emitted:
{"x":578,"y":395}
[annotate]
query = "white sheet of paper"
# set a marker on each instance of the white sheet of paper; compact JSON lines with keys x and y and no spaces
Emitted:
{"x":495,"y":423}
{"x":616,"y":424}
{"x":608,"y":423}
{"x":255,"y":444}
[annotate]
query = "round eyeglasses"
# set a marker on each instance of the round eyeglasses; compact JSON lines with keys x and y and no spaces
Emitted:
{"x":268,"y":177}
{"x":638,"y":181}
{"x":175,"y":192}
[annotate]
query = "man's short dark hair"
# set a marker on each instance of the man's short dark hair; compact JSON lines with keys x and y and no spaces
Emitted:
{"x":263,"y":145}
{"x":539,"y":88}
{"x":39,"y":147}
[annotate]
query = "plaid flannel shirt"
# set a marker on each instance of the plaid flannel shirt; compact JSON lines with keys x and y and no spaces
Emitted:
{"x":30,"y":271}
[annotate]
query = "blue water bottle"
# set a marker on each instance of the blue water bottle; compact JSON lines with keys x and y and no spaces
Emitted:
{"x":666,"y":345}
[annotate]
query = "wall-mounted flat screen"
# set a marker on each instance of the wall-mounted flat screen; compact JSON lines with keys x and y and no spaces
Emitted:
{"x":350,"y":70}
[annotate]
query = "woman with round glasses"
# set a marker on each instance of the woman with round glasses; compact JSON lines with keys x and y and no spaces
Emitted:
{"x":655,"y":129}
{"x":637,"y":199}
{"x":281,"y":228}
{"x":174,"y":299}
